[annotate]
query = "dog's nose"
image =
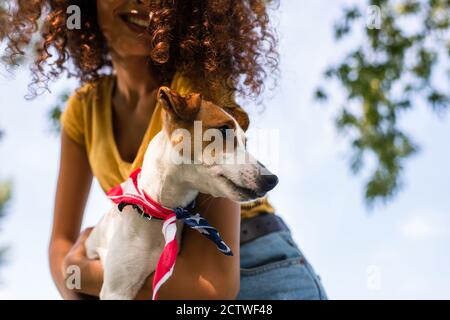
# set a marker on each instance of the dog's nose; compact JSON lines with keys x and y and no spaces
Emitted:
{"x":267,"y":182}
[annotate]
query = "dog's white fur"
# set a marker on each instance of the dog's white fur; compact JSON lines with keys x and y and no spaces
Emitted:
{"x":128,"y":245}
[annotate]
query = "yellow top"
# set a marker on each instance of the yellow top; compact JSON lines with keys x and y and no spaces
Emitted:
{"x":88,"y":121}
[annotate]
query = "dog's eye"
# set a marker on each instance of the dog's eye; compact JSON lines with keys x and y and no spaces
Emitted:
{"x":223,"y":130}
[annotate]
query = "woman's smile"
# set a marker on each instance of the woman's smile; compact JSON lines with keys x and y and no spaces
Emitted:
{"x":125,"y":26}
{"x":136,"y":21}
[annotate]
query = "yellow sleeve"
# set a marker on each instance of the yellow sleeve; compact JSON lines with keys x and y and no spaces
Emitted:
{"x":72,"y":119}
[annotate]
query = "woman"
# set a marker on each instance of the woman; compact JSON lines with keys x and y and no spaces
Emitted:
{"x":125,"y":50}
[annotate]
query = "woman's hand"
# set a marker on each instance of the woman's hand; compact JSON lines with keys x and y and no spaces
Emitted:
{"x":90,"y":271}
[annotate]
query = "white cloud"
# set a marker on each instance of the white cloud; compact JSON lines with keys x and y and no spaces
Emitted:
{"x":424,"y":226}
{"x":418,"y":227}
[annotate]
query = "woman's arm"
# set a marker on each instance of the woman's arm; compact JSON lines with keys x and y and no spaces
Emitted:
{"x":73,"y":187}
{"x":201,"y":271}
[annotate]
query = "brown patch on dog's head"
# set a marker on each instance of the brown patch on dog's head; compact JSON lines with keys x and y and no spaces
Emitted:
{"x":240,"y":115}
{"x":182,"y":111}
{"x":184,"y":108}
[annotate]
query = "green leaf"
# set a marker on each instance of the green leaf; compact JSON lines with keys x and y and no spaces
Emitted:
{"x":371,"y":74}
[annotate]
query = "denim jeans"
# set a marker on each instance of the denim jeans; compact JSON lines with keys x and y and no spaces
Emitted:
{"x":274,"y":268}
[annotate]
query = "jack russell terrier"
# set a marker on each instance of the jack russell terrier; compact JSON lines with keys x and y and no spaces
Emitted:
{"x":128,"y":239}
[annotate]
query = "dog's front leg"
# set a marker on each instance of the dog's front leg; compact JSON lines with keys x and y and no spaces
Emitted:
{"x":125,"y":271}
{"x":133,"y":253}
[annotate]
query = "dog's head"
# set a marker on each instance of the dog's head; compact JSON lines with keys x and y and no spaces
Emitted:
{"x":210,"y":142}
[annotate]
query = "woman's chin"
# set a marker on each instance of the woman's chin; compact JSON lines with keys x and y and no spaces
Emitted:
{"x":125,"y":46}
{"x":132,"y":50}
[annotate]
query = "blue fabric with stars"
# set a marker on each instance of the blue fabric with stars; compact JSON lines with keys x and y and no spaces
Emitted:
{"x":195,"y":221}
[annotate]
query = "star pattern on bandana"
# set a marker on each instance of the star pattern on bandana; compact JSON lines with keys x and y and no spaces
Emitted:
{"x":197,"y":222}
{"x":197,"y":218}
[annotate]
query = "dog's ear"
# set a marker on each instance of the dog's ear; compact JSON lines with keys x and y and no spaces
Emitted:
{"x":185,"y":108}
{"x":240,"y":115}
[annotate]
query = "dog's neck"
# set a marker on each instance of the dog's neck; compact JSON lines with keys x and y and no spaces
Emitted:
{"x":161,"y":178}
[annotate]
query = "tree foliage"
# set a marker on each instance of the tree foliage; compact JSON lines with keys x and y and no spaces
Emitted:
{"x":394,"y":67}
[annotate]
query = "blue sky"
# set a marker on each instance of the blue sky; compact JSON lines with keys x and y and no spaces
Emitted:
{"x":396,"y":251}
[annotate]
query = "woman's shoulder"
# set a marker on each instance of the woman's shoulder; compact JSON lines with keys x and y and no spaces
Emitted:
{"x":95,"y":90}
{"x":84,"y":106}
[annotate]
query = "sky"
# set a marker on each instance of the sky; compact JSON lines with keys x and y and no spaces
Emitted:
{"x":396,"y":251}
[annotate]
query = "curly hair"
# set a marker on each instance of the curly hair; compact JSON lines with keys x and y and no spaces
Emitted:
{"x":220,"y":42}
